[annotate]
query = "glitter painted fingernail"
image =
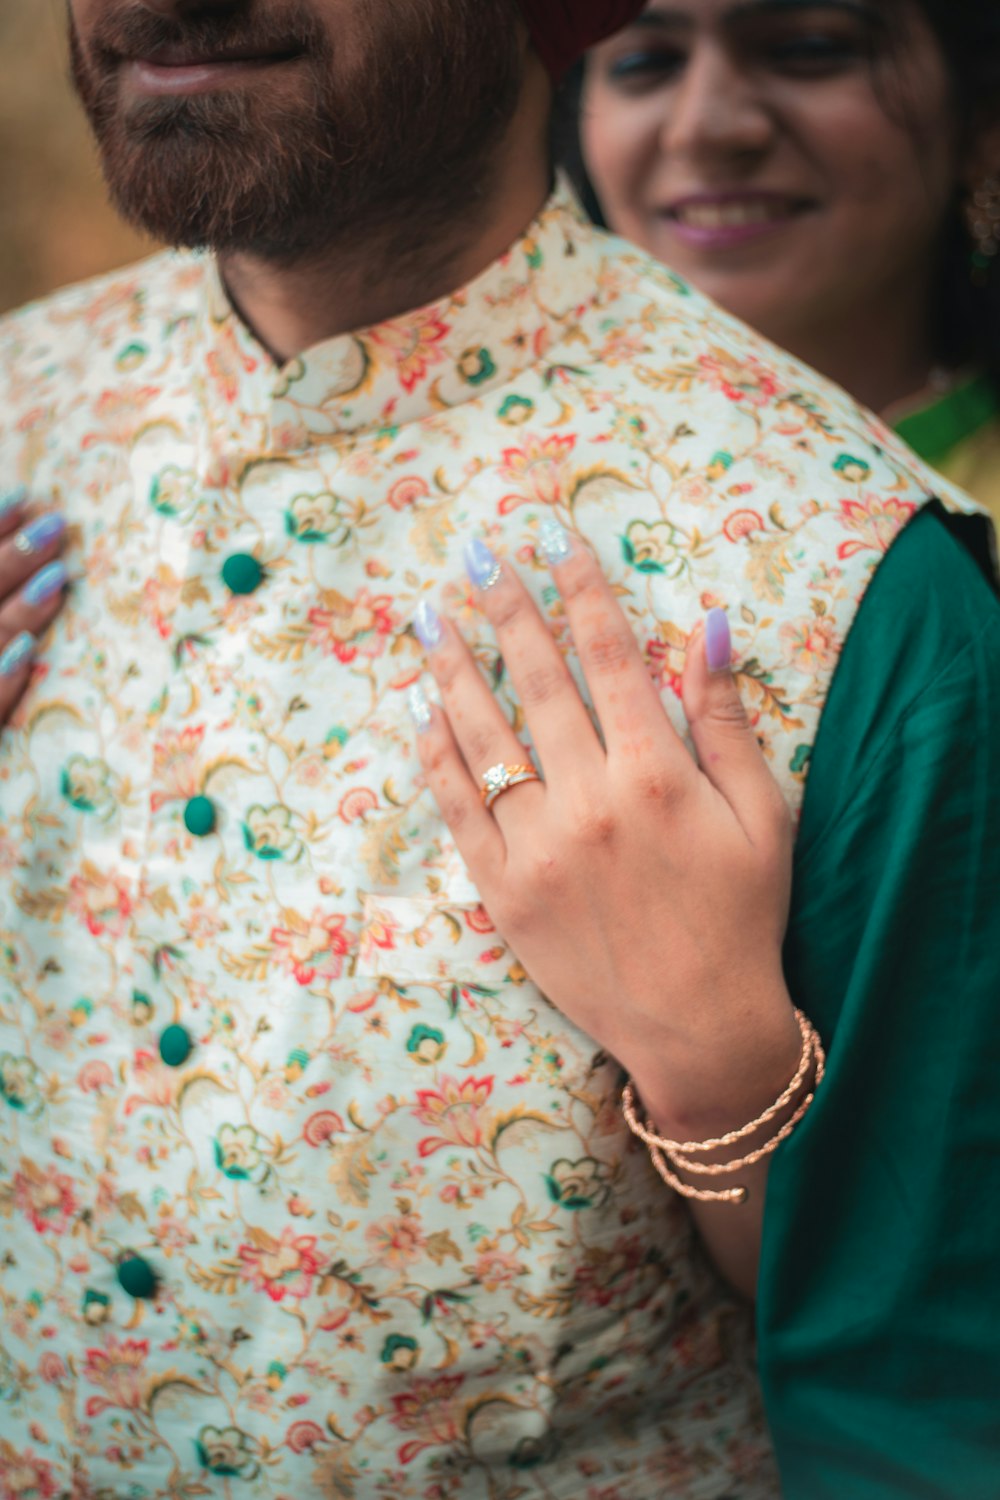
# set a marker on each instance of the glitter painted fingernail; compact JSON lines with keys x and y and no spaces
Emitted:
{"x":39,"y":534}
{"x":20,"y":650}
{"x":420,"y":709}
{"x":482,"y":567}
{"x":555,"y":542}
{"x":718,"y":641}
{"x":12,"y":500}
{"x":46,"y":583}
{"x":427,"y":624}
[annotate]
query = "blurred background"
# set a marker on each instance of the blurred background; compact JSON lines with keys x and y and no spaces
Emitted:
{"x":55,"y":224}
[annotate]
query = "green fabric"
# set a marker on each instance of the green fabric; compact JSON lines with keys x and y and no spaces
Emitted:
{"x":879,"y":1306}
{"x":937,"y":430}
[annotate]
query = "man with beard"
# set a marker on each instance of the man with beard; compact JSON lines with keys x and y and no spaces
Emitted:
{"x":307,"y":1189}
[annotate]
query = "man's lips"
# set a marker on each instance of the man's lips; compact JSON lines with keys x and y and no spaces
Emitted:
{"x":183,"y":70}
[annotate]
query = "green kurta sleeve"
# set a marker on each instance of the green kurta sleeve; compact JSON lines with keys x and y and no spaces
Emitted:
{"x":879,"y":1308}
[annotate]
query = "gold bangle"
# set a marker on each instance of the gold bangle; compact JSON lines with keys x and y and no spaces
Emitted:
{"x":676,"y":1152}
{"x":811,"y":1046}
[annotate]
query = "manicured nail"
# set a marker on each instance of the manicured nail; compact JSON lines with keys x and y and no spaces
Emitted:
{"x":482,"y":567}
{"x":12,"y":500}
{"x":427,"y":624}
{"x":420,"y":709}
{"x":39,"y":534}
{"x":20,"y":650}
{"x":718,"y":641}
{"x":46,"y":583}
{"x":555,"y":542}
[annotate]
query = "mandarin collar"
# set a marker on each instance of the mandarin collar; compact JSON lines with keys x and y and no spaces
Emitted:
{"x":428,"y":361}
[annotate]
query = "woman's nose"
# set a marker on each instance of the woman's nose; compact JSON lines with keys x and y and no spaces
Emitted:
{"x":716,"y":110}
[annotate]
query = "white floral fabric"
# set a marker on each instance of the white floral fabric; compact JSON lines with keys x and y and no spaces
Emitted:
{"x":399,"y":1243}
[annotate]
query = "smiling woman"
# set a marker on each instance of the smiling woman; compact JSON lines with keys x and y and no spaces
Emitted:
{"x":827,"y":170}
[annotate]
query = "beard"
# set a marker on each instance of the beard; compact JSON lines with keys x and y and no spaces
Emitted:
{"x":397,"y":138}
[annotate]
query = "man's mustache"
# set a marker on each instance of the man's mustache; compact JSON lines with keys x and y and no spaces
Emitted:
{"x":130,"y":31}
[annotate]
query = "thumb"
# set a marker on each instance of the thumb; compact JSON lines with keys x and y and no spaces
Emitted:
{"x":728,"y":750}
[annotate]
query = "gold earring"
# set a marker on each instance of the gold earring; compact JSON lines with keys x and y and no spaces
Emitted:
{"x":982,"y":216}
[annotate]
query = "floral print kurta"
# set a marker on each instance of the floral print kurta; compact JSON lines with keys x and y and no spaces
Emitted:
{"x":305,"y":1189}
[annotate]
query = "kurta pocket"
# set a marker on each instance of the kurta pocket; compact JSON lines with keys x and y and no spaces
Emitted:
{"x":430,"y":940}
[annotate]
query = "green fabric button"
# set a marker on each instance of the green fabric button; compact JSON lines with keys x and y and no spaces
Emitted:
{"x":176,"y":1046}
{"x":136,"y":1276}
{"x":242,"y":574}
{"x":199,"y":817}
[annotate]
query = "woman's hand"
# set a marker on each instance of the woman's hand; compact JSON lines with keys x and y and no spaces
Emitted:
{"x":32,"y":587}
{"x":647,"y":898}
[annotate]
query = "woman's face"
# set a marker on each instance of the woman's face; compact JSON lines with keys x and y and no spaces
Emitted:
{"x":783,"y":154}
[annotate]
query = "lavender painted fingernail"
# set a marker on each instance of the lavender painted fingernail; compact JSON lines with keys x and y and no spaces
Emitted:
{"x":20,"y":650}
{"x":39,"y":534}
{"x":427,"y":624}
{"x":12,"y":500}
{"x":718,"y":641}
{"x":555,"y":542}
{"x":482,"y":567}
{"x":46,"y":583}
{"x":420,"y":709}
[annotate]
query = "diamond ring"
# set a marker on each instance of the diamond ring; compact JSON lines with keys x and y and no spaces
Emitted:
{"x":501,"y":778}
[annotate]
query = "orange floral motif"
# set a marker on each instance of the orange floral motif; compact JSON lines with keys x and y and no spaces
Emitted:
{"x":811,"y":644}
{"x":878,"y":521}
{"x":396,"y":1242}
{"x":431,"y":1408}
{"x":117,"y":1369}
{"x":354,"y":627}
{"x":47,"y":1198}
{"x":25,"y":1476}
{"x":414,"y":344}
{"x":312,"y":948}
{"x":175,"y":765}
{"x":282,"y":1267}
{"x":455,"y":1111}
{"x":103,"y":902}
{"x":538,"y":471}
{"x":743,"y":379}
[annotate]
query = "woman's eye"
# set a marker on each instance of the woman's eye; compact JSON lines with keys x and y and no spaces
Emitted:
{"x":637,"y":68}
{"x":814,"y":53}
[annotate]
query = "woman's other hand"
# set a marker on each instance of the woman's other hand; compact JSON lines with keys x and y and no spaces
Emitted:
{"x":32,"y":588}
{"x":645,"y":896}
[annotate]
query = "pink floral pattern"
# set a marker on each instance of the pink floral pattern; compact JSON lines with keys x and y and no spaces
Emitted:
{"x":403,"y":1245}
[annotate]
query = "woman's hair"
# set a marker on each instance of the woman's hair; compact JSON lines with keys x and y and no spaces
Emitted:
{"x":965,"y":315}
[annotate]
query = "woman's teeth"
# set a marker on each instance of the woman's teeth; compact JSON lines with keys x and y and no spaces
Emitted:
{"x":727,"y":215}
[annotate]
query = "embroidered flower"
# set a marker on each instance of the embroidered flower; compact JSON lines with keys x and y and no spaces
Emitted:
{"x":743,"y":379}
{"x":19,"y":1083}
{"x":431,"y":1408}
{"x":282,"y":1267}
{"x":537,"y":470}
{"x":354,"y":627}
{"x":414,"y":345}
{"x":117,"y":1369}
{"x":876,"y":519}
{"x":579,"y":1184}
{"x":810,"y":645}
{"x":455,"y":1111}
{"x":237,"y":1151}
{"x":177,"y":773}
{"x":312,"y":948}
{"x":101,"y":900}
{"x":47,"y":1199}
{"x":268,"y":834}
{"x":227,"y":1452}
{"x":86,"y":785}
{"x":25,"y":1476}
{"x":396,"y":1242}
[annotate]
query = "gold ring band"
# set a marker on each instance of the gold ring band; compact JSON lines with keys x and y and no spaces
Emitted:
{"x":500,"y":779}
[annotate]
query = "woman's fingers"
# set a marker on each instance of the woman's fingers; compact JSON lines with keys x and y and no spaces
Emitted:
{"x":477,"y":723}
{"x":476,"y":832}
{"x":28,"y":550}
{"x":627,"y":703}
{"x":16,"y":660}
{"x":12,"y":508}
{"x":36,"y":605}
{"x":557,"y":719}
{"x":728,"y":749}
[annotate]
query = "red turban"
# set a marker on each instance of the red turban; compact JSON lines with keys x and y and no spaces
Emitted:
{"x":563,"y":30}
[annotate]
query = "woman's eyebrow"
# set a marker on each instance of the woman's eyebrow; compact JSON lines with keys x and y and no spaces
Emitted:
{"x":661,"y":17}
